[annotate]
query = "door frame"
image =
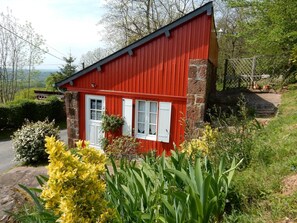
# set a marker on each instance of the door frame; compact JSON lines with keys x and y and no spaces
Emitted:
{"x":88,"y":98}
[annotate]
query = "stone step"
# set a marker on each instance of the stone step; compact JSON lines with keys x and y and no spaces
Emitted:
{"x":265,"y":112}
{"x":263,"y":109}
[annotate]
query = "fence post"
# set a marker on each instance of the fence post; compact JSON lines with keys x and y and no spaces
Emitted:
{"x":253,"y":71}
{"x":225,"y":74}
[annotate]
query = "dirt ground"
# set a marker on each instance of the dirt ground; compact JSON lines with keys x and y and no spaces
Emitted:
{"x":289,"y":185}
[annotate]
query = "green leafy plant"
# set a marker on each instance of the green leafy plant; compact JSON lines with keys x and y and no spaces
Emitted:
{"x":122,"y":147}
{"x":205,"y":191}
{"x":36,"y":212}
{"x":28,"y":142}
{"x":237,"y":130}
{"x":169,"y":189}
{"x":111,"y":123}
{"x":104,"y":142}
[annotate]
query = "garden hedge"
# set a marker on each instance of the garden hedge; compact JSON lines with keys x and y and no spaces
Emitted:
{"x":13,"y":114}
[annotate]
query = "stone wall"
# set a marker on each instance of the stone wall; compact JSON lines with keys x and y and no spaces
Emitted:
{"x":201,"y":81}
{"x":72,"y":112}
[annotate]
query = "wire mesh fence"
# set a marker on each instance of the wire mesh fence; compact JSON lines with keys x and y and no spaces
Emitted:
{"x":244,"y":72}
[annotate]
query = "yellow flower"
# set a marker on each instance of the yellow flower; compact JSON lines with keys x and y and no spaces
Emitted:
{"x":203,"y":144}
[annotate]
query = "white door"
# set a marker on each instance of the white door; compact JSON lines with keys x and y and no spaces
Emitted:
{"x":95,"y":107}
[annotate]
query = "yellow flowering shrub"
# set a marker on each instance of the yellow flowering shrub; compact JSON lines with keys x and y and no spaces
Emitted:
{"x":203,"y":145}
{"x":75,"y":190}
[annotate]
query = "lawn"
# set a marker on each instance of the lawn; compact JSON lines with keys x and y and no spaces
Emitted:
{"x":274,"y":158}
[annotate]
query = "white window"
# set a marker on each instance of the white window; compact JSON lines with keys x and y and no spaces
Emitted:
{"x":152,"y":119}
{"x":146,"y":120}
{"x":96,"y":109}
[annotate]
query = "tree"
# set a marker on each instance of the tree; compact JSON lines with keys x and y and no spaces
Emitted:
{"x":129,"y":20}
{"x":93,"y":56}
{"x":33,"y":50}
{"x":68,"y":69}
{"x":52,"y":79}
{"x":269,"y":28}
{"x":20,"y":49}
{"x":231,"y":42}
{"x":65,"y":71}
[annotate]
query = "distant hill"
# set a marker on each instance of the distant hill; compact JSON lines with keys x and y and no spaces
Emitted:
{"x":44,"y":73}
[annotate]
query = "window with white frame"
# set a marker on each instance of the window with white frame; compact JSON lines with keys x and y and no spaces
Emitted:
{"x":146,"y":119}
{"x":96,"y":109}
{"x":152,"y":119}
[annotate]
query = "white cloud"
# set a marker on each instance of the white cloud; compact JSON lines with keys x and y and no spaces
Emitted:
{"x":68,"y":25}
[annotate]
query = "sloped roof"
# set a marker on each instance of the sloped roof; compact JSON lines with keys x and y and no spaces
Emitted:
{"x":208,"y":7}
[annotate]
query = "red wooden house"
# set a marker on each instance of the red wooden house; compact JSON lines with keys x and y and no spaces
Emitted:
{"x":154,"y":83}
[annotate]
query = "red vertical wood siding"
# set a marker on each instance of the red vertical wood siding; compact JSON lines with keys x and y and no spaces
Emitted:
{"x":162,"y":59}
{"x":157,"y":70}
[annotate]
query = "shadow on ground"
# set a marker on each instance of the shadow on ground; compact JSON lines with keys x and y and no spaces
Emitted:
{"x":264,"y":105}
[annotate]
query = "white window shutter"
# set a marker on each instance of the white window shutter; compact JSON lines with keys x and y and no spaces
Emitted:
{"x":164,"y":121}
{"x":127,"y":115}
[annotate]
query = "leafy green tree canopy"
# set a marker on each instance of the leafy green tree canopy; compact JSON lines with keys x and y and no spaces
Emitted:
{"x":261,"y":27}
{"x":270,"y":26}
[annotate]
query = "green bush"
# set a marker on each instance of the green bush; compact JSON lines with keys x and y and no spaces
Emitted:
{"x":28,"y":142}
{"x":111,"y":123}
{"x":56,"y":108}
{"x":237,"y":130}
{"x":122,"y":147}
{"x":25,"y":94}
{"x":13,"y":114}
{"x":4,"y":113}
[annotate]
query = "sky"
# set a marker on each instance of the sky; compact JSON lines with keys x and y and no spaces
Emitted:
{"x":68,"y":26}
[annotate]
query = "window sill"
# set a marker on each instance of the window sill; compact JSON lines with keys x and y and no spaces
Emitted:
{"x":149,"y":137}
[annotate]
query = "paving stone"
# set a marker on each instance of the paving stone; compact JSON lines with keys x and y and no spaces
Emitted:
{"x":11,"y":195}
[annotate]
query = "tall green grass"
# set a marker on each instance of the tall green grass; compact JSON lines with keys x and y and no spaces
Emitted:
{"x":274,"y":157}
{"x":169,"y":189}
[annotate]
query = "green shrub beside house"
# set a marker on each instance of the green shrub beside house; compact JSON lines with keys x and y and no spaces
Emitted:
{"x":13,"y":114}
{"x":29,"y":141}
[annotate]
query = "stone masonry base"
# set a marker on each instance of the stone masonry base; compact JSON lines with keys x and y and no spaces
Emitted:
{"x":72,"y":112}
{"x":200,"y":83}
